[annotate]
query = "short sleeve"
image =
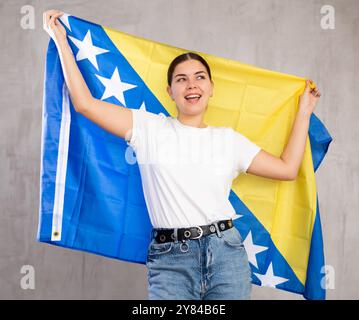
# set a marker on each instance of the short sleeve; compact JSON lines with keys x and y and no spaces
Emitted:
{"x":245,"y":151}
{"x":143,"y":123}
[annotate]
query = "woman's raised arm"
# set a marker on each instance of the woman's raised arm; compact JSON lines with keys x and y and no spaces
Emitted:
{"x":286,"y":167}
{"x":111,"y":117}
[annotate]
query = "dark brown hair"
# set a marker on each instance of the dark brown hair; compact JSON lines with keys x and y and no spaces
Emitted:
{"x":184,"y":57}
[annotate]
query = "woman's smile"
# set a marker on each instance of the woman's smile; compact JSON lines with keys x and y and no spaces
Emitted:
{"x":193,"y":98}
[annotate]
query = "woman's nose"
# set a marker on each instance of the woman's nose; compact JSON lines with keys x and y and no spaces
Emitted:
{"x":191,"y":84}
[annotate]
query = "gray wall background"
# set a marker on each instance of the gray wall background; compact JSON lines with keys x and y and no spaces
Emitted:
{"x":284,"y":36}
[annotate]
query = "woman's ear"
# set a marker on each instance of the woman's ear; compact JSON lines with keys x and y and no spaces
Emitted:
{"x":212,"y":86}
{"x":169,"y":90}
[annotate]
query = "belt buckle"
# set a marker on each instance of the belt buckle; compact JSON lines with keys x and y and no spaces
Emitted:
{"x":201,"y":232}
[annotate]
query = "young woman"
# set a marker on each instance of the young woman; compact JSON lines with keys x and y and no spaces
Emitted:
{"x":195,"y":252}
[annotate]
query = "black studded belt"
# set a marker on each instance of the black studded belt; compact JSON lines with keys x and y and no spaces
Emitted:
{"x":196,"y":232}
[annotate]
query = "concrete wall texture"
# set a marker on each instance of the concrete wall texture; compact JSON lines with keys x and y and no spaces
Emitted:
{"x":284,"y":36}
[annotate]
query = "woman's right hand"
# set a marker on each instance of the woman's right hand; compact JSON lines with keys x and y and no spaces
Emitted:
{"x":53,"y":26}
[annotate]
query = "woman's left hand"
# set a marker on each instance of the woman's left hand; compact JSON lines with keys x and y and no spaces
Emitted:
{"x":308,"y":99}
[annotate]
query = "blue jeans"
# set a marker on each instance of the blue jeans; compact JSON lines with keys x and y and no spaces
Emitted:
{"x":213,"y":267}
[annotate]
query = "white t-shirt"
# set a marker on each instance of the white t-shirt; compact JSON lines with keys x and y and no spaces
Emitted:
{"x":187,"y":172}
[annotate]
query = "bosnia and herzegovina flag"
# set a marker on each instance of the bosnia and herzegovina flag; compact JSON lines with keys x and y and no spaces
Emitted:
{"x":91,"y":198}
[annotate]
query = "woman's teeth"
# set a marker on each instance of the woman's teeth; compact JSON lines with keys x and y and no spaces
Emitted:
{"x":193,"y":99}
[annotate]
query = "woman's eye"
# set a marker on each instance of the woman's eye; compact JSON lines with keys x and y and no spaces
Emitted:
{"x":199,"y":77}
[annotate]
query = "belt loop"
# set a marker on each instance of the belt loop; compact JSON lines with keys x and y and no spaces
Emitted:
{"x":219,"y":234}
{"x":175,"y":235}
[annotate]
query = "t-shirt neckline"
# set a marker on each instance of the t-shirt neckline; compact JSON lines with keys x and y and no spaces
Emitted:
{"x":179,"y":123}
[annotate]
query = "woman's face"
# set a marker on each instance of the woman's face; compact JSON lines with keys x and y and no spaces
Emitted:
{"x":190,"y":78}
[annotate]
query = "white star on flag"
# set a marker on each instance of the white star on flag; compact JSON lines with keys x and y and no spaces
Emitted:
{"x":143,"y":106}
{"x":252,"y":249}
{"x":238,"y":216}
{"x":65,"y":19}
{"x":115,"y":87}
{"x":269,"y":279}
{"x":87,"y":50}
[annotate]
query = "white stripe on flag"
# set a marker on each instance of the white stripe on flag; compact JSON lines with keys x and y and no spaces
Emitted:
{"x":61,"y":166}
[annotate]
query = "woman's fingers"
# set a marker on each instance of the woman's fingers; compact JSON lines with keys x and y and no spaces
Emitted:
{"x":53,"y":13}
{"x":51,"y":22}
{"x":316,"y":92}
{"x":311,"y":84}
{"x":312,"y":88}
{"x":47,"y":15}
{"x":53,"y":17}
